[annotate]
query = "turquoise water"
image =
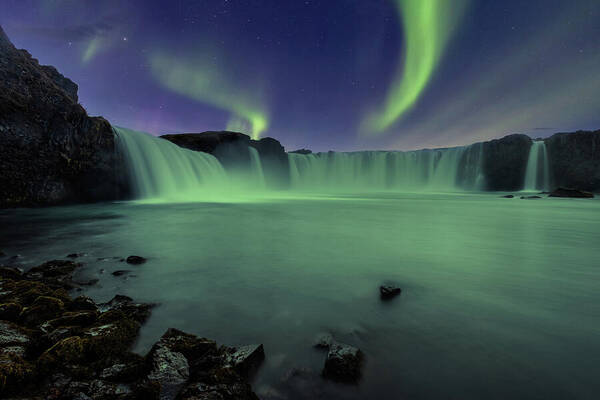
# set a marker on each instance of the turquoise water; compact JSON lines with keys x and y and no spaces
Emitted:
{"x":500,"y":296}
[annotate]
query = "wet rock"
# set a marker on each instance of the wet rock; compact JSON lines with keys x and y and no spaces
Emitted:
{"x":246,"y":359}
{"x":11,"y":334}
{"x":204,"y":391}
{"x":530,"y":197}
{"x":323,"y":341}
{"x":136,"y":260}
{"x":508,"y":196}
{"x":388,"y":292}
{"x":82,"y":303}
{"x":572,"y":193}
{"x":138,"y":312}
{"x":121,"y":272}
{"x":124,"y":372}
{"x":57,"y":272}
{"x":170,"y":369}
{"x":343,"y":363}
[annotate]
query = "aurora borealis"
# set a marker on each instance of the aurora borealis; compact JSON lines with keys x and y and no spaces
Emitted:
{"x":335,"y":74}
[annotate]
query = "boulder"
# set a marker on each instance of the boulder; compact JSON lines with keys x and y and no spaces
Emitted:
{"x":388,"y":292}
{"x":508,"y":196}
{"x":343,"y":363}
{"x":246,"y":359}
{"x":170,"y":369}
{"x":135,"y":260}
{"x":574,"y":193}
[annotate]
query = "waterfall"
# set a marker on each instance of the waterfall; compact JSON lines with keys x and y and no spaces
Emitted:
{"x":256,"y":168}
{"x":537,"y":175}
{"x":163,"y":170}
{"x":439,"y":169}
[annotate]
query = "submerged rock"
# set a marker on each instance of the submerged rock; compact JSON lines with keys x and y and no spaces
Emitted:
{"x":343,"y":363}
{"x":120,"y":272}
{"x":573,"y":193}
{"x":136,"y":260}
{"x":388,"y":292}
{"x":530,"y":197}
{"x":508,"y":196}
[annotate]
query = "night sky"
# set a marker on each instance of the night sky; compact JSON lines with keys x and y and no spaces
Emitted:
{"x":325,"y":74}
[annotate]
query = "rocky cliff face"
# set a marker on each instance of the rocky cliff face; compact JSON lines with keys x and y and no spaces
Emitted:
{"x":231,"y":149}
{"x":52,"y":152}
{"x":505,"y":162}
{"x":574,"y":160}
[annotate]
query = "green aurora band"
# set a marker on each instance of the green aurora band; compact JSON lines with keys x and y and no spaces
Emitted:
{"x":428,"y":25}
{"x":205,"y":83}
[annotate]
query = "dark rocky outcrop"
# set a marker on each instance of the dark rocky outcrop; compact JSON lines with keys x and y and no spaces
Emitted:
{"x":55,"y":347}
{"x":505,"y":162}
{"x":52,"y":151}
{"x":301,"y":151}
{"x":573,"y":193}
{"x":575,"y":160}
{"x":231,"y":149}
{"x":135,"y":260}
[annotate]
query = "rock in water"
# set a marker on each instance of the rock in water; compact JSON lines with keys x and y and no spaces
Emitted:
{"x":573,"y":193}
{"x":530,"y":197}
{"x":136,"y":260}
{"x":246,"y":359}
{"x":170,"y":369}
{"x":388,"y":292}
{"x":508,"y":196}
{"x":52,"y":151}
{"x":343,"y":363}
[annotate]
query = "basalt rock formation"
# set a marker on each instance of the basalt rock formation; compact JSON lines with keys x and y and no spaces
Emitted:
{"x":52,"y":152}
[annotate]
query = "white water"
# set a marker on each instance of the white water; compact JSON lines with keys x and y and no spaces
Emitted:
{"x":161,"y":169}
{"x":256,"y":168}
{"x":537,"y":175}
{"x":443,"y":169}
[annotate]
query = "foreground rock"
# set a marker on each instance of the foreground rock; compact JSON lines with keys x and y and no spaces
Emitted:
{"x":55,"y":347}
{"x":135,"y":260}
{"x":343,"y":363}
{"x":573,"y":193}
{"x":52,"y":151}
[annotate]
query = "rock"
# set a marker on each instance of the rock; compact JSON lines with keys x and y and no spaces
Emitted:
{"x":43,"y":309}
{"x":388,"y":292}
{"x":75,"y":255}
{"x":53,"y":152}
{"x":323,"y":340}
{"x":138,"y":312}
{"x":343,"y":363}
{"x":136,"y":260}
{"x":574,"y":193}
{"x":10,"y":273}
{"x":246,"y":359}
{"x":301,"y":151}
{"x":56,"y":271}
{"x":508,"y":196}
{"x":530,"y":197}
{"x":82,"y":303}
{"x":121,"y":272}
{"x":170,"y":369}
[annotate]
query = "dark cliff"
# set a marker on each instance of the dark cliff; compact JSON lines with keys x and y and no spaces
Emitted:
{"x":231,"y":149}
{"x":52,"y":152}
{"x":505,"y":162}
{"x":574,"y":160}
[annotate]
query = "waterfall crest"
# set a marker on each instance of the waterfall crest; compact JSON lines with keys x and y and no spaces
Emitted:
{"x":440,"y":169}
{"x":537,"y":175}
{"x":161,"y":169}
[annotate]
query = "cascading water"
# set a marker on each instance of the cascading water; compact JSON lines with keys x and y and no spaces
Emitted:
{"x":256,"y":168}
{"x":537,"y":175}
{"x":440,"y":169}
{"x":163,"y":170}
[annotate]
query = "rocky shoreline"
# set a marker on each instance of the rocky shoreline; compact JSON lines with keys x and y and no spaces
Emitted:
{"x":55,"y":346}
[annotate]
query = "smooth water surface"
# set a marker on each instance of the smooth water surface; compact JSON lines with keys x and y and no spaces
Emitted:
{"x":500,"y":296}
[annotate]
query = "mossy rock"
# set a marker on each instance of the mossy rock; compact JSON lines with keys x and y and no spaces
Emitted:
{"x":14,"y":373}
{"x":44,"y":308}
{"x":73,"y":319}
{"x":72,"y":350}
